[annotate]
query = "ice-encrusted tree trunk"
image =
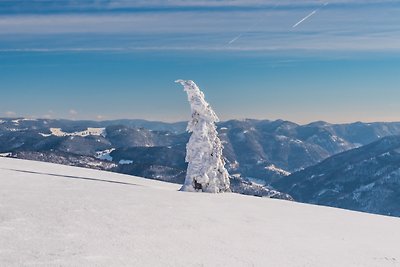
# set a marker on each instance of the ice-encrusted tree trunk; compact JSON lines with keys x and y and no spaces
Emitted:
{"x":206,"y":166}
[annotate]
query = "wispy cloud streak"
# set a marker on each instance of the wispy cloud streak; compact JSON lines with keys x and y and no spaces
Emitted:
{"x":269,"y":30}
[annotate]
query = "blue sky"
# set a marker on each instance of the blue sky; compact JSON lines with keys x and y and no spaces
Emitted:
{"x":118,"y":59}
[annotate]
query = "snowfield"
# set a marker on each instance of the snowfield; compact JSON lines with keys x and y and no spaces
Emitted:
{"x":90,"y":131}
{"x":52,"y":215}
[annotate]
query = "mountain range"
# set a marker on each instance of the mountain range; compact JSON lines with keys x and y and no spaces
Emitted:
{"x":260,"y":154}
{"x":363,"y":179}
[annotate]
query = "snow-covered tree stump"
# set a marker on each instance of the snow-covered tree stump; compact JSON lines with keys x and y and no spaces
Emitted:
{"x":206,"y":166}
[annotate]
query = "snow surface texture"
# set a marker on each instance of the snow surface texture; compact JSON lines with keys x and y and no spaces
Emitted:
{"x":90,"y":131}
{"x":53,"y":215}
{"x":206,"y":169}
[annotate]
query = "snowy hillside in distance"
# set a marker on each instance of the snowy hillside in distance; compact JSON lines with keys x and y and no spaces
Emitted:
{"x":88,"y":132}
{"x":53,"y":215}
{"x":364,"y":179}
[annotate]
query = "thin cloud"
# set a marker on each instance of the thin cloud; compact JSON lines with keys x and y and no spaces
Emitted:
{"x":269,"y":30}
{"x":47,"y":116}
{"x":137,"y":6}
{"x":163,"y":3}
{"x":50,"y":114}
{"x":10,"y":114}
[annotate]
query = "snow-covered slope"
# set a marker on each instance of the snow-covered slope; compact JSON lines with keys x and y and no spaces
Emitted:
{"x":88,"y":132}
{"x":52,"y":215}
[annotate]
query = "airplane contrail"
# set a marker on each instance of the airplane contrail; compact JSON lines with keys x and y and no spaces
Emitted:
{"x":249,"y":29}
{"x":262,"y":19}
{"x":304,"y":19}
{"x":241,"y":34}
{"x":235,"y":39}
{"x":308,"y":16}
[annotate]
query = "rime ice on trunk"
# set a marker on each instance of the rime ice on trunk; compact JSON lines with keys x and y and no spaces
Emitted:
{"x":206,"y":171}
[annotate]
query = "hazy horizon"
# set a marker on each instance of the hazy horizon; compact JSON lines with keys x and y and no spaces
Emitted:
{"x":184,"y":121}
